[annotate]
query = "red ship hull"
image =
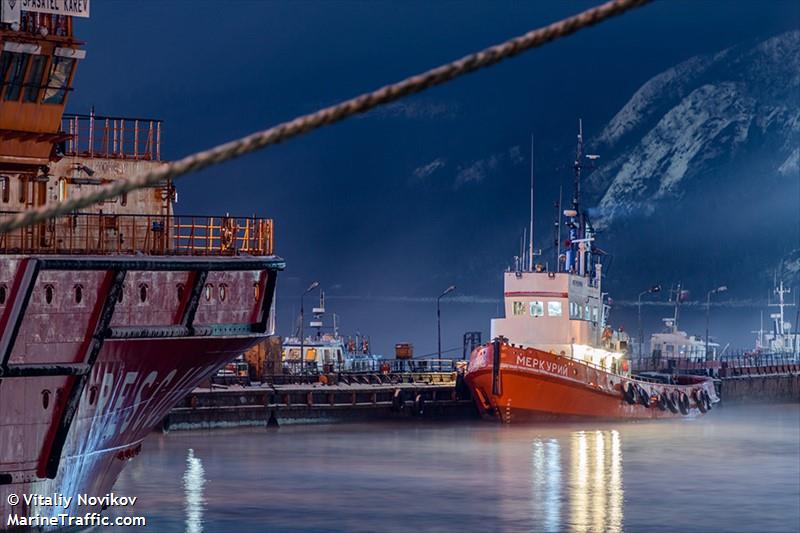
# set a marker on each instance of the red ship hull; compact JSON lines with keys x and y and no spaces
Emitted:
{"x":516,"y":384}
{"x":154,"y":350}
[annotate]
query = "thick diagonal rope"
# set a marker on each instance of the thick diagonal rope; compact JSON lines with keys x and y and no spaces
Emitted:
{"x":329,"y":115}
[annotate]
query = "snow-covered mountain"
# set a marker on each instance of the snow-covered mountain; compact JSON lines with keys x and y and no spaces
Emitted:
{"x":705,"y":156}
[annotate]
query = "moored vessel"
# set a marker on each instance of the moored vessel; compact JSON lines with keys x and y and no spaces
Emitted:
{"x":554,"y":354}
{"x":108,"y":316}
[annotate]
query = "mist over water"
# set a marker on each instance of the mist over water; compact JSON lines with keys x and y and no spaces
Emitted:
{"x":736,"y":469}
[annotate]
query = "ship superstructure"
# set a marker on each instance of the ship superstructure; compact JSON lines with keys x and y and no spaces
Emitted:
{"x":779,"y":340}
{"x":108,"y":316}
{"x":554,"y":354}
{"x":672,"y":345}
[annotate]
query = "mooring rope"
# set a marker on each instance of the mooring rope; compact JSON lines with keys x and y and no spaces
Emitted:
{"x":329,"y":115}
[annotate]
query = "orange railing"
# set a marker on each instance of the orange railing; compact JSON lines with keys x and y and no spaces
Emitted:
{"x":99,"y":233}
{"x":112,"y":137}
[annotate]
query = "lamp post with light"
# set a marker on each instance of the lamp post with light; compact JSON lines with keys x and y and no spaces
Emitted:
{"x":652,"y":290}
{"x":302,"y":321}
{"x":721,"y":288}
{"x":448,"y":290}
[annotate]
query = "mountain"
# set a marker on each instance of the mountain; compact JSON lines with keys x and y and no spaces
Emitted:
{"x":702,"y":170}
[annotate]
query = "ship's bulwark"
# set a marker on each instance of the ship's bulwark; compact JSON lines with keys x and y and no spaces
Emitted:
{"x":526,"y":384}
{"x":133,"y":382}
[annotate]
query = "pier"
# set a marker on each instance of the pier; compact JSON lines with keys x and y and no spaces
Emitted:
{"x":328,"y":398}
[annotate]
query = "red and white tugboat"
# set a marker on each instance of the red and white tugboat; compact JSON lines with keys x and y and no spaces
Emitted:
{"x":108,"y":317}
{"x":554,"y":356}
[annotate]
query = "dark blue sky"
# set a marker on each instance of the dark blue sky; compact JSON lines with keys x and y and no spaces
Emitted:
{"x":388,"y":209}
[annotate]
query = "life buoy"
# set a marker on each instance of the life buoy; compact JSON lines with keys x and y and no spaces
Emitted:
{"x":683,"y":403}
{"x":699,"y":400}
{"x":628,"y":393}
{"x":227,"y":233}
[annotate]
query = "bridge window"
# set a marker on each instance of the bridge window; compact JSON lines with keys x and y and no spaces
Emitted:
{"x":595,"y":314}
{"x":60,"y":72}
{"x":553,"y":308}
{"x":34,"y":81}
{"x":519,"y":308}
{"x":16,"y":66}
{"x":537,"y":308}
{"x":586,"y":312}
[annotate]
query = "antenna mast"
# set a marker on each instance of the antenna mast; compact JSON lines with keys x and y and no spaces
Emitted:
{"x":530,"y":240}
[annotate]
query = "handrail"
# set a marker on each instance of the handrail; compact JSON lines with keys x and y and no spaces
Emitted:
{"x":112,"y":137}
{"x":102,"y":233}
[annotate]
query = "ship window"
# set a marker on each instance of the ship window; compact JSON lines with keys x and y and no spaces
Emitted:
{"x":5,"y":62}
{"x":23,"y":190}
{"x":34,"y":80}
{"x":586,"y":314}
{"x":48,"y":294}
{"x":573,"y":310}
{"x":121,"y":294}
{"x":78,"y":294}
{"x":256,"y":291}
{"x":519,"y":308}
{"x":594,"y":314}
{"x":208,"y":291}
{"x":5,"y":188}
{"x":123,"y":200}
{"x":16,"y":70}
{"x":179,"y":288}
{"x":3,"y":294}
{"x":554,"y":308}
{"x":60,"y":72}
{"x":537,"y":308}
{"x":143,"y":292}
{"x":222,"y":291}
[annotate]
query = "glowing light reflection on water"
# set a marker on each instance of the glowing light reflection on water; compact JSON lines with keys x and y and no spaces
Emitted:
{"x":733,"y":470}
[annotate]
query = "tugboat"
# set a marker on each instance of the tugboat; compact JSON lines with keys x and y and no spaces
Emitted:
{"x":109,"y":316}
{"x":554,"y":356}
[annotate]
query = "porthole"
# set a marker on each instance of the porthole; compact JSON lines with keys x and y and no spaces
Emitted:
{"x":3,"y":294}
{"x":222,"y":292}
{"x":208,"y":291}
{"x":78,"y":294}
{"x":45,"y":398}
{"x":143,"y":292}
{"x":179,"y":288}
{"x":48,"y":294}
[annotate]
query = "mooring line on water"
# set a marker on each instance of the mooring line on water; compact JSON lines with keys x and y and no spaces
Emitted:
{"x":332,"y":114}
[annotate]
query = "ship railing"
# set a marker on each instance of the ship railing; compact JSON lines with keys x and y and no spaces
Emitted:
{"x":45,"y":24}
{"x":112,"y":137}
{"x":100,"y":233}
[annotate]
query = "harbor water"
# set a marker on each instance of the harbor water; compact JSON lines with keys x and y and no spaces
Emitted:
{"x":736,"y":469}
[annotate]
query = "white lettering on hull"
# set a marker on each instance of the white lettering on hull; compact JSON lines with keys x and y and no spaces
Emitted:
{"x":542,"y":365}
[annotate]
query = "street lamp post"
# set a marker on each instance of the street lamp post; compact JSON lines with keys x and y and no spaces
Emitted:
{"x":302,"y":324}
{"x":448,"y":290}
{"x":652,"y":290}
{"x":721,"y":288}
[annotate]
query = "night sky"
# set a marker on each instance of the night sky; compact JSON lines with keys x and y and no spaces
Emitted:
{"x":388,"y":209}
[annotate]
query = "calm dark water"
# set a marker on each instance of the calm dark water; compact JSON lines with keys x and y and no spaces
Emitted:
{"x":737,"y":469}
